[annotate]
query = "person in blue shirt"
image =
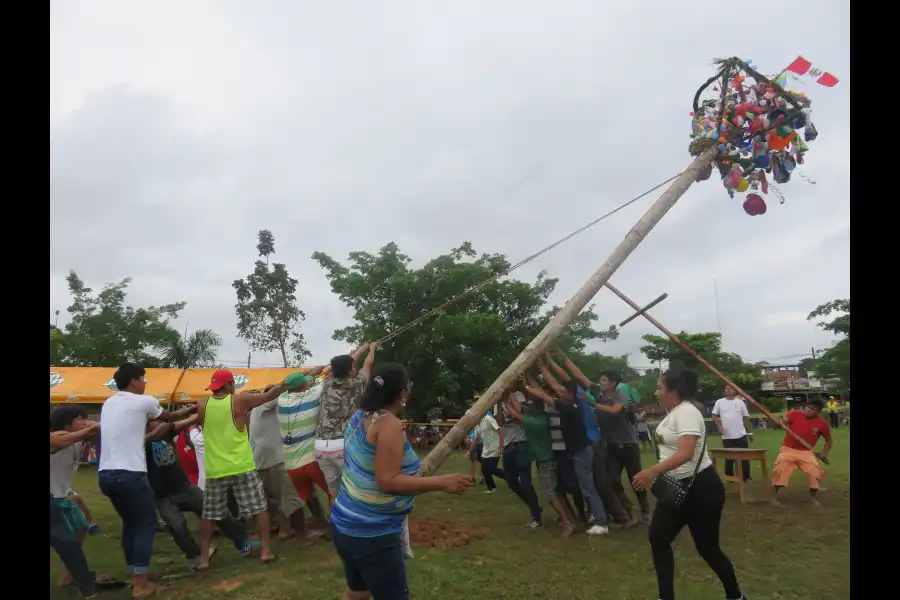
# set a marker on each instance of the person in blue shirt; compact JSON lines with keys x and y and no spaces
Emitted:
{"x":378,"y":488}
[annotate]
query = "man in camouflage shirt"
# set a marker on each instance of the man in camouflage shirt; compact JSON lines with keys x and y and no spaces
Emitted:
{"x":340,"y":399}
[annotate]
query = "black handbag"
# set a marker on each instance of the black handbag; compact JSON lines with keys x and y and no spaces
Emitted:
{"x":670,"y":491}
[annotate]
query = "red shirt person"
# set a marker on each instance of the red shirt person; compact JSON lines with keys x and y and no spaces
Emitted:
{"x":187,"y":457}
{"x":809,"y":426}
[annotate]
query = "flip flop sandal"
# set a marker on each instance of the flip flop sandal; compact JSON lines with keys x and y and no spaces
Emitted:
{"x":269,"y":561}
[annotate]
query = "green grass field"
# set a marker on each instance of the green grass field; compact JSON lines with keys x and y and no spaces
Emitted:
{"x":780,"y":554}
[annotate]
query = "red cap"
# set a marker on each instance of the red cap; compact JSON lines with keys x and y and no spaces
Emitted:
{"x":220,"y":378}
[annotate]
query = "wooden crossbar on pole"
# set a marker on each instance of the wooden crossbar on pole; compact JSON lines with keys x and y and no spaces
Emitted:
{"x":706,"y":363}
{"x":643,"y":310}
{"x":566,"y":316}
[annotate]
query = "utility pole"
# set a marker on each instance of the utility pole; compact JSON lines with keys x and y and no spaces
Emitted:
{"x":248,"y":359}
{"x":564,"y":317}
{"x":716,"y":293}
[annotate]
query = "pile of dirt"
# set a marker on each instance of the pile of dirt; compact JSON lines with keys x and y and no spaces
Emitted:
{"x":437,"y":533}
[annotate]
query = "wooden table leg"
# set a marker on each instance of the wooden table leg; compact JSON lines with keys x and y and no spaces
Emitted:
{"x":739,"y":464}
{"x":765,"y":476}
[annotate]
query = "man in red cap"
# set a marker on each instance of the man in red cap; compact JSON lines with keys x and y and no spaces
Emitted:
{"x":228,"y":458}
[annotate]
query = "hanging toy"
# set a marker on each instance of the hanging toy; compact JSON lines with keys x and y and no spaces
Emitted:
{"x":763,"y":181}
{"x":779,"y":170}
{"x":742,"y":186}
{"x":777,"y":142}
{"x":754,"y":205}
{"x":810,"y":133}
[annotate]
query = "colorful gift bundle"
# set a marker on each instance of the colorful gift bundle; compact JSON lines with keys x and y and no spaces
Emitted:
{"x":760,"y":129}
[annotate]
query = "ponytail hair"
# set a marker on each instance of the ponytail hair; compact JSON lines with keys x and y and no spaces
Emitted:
{"x":387,"y":383}
{"x":682,"y":381}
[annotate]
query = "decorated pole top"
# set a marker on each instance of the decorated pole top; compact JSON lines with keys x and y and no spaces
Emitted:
{"x":755,"y":124}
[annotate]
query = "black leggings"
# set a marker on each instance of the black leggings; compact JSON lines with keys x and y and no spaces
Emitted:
{"x":702,"y":513}
{"x":490,"y":470}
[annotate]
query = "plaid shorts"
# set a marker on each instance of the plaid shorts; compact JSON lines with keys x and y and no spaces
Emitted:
{"x":248,"y":493}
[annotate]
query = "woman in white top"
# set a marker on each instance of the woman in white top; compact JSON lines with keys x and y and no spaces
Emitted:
{"x":680,"y":439}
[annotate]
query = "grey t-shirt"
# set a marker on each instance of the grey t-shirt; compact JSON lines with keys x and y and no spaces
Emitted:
{"x":615,"y":429}
{"x":512,"y":430}
{"x":265,"y":435}
{"x":62,"y":469}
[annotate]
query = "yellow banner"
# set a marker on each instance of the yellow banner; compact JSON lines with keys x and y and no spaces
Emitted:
{"x":93,"y":385}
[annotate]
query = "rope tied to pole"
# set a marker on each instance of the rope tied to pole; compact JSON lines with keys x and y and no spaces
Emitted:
{"x":493,"y":278}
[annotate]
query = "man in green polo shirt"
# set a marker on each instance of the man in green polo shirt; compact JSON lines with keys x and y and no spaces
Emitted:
{"x":540,"y":443}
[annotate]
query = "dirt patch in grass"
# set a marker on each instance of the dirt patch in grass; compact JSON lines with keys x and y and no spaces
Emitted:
{"x":440,"y":533}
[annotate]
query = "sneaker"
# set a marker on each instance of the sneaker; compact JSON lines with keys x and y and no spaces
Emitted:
{"x":533,"y":525}
{"x":490,"y":491}
{"x":597,"y":530}
{"x":94,"y":529}
{"x":646,"y":518}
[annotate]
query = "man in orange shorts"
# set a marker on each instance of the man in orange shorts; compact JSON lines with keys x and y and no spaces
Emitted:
{"x":810,"y":426}
{"x":298,"y":416}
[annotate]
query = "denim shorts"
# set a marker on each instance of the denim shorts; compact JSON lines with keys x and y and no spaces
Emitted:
{"x":373,"y":564}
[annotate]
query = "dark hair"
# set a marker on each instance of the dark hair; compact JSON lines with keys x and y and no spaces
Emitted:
{"x":683,"y":382}
{"x":612,"y":375}
{"x":128,"y":372}
{"x":63,"y":416}
{"x":817,"y":402}
{"x":387,"y":382}
{"x":571,"y":387}
{"x":341,"y":365}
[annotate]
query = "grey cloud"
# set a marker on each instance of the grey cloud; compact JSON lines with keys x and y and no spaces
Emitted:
{"x":508,"y":125}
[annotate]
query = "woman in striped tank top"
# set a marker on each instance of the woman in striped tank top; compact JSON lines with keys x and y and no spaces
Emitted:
{"x":377,"y":490}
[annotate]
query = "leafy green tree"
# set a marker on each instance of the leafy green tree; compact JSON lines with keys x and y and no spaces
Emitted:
{"x":460,"y":351}
{"x":835,"y":362}
{"x":709,"y":346}
{"x":267,"y":311}
{"x":104,"y":331}
{"x":594,"y":363}
{"x":199,"y":349}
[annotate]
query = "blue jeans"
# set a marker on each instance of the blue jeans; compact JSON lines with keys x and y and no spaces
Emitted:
{"x":584,"y":472}
{"x":70,"y":552}
{"x":517,"y":468}
{"x":131,"y":496}
{"x":373,"y":564}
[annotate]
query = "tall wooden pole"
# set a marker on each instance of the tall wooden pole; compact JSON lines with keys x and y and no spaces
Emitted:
{"x":567,"y":315}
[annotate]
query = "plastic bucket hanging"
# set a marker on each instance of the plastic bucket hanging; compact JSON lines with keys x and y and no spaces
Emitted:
{"x":754,"y":205}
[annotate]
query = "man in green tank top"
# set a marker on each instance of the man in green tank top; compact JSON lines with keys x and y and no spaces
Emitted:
{"x":228,"y":458}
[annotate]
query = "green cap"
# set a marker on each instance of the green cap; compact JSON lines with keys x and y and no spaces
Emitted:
{"x":297,"y":380}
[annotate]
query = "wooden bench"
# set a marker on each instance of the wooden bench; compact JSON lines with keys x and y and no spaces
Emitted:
{"x":738,"y":455}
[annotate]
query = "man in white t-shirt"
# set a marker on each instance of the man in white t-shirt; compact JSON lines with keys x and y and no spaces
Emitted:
{"x":731,"y":417}
{"x":122,"y":473}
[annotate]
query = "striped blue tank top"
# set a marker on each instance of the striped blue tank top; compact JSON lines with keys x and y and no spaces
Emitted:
{"x":361,"y":509}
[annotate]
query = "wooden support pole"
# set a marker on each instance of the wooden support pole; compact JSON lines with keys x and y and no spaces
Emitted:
{"x":706,"y":363}
{"x":566,"y":316}
{"x":643,"y":310}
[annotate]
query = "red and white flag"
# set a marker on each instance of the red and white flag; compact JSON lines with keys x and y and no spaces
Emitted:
{"x":802,"y":68}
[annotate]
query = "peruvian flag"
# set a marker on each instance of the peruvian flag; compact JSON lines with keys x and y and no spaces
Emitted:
{"x":803,"y":67}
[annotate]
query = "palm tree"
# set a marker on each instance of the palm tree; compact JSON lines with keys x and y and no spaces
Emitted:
{"x":199,"y":349}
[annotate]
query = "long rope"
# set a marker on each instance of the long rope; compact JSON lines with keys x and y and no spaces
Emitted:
{"x":494,"y":278}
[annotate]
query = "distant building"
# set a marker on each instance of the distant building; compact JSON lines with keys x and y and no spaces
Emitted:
{"x":789,"y":377}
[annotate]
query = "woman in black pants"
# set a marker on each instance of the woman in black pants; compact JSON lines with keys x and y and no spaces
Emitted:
{"x":680,"y":441}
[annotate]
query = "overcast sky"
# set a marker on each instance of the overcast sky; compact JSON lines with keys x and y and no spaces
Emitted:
{"x":179,"y":129}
